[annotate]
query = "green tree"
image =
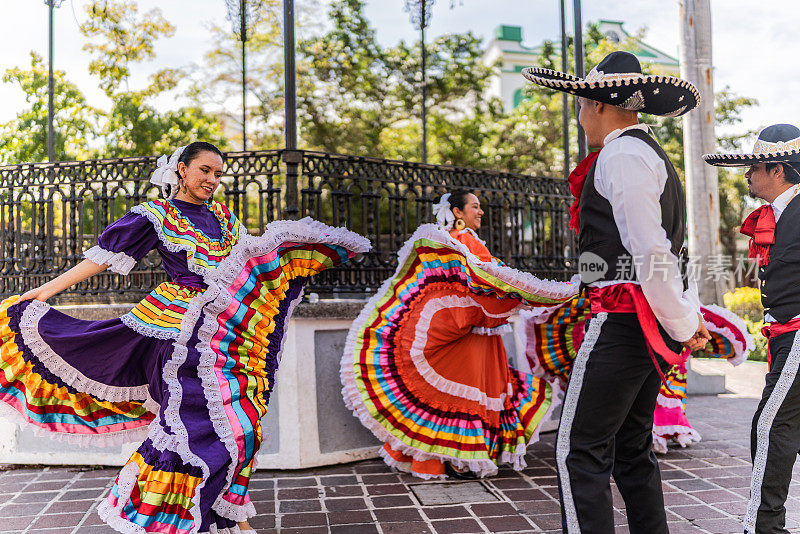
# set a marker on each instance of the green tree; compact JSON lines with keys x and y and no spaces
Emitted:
{"x":357,"y":97}
{"x":458,"y":111}
{"x":733,"y":192}
{"x":24,"y":138}
{"x":119,"y":37}
{"x":217,"y":80}
{"x":528,"y":140}
{"x":344,"y":85}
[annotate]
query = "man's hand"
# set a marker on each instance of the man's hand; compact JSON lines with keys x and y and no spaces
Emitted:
{"x":700,"y":337}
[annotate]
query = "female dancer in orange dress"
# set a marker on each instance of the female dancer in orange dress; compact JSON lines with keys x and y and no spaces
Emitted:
{"x":425,"y":367}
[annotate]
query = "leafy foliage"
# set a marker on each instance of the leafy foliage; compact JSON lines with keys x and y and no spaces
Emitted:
{"x":734,"y":203}
{"x":217,"y":82}
{"x":746,"y":303}
{"x":24,"y":138}
{"x":355,"y":96}
{"x":119,"y":37}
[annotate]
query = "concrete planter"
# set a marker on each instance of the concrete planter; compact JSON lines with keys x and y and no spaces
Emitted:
{"x":307,"y":424}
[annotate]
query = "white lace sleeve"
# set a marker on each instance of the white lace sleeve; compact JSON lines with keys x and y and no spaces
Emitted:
{"x":117,"y":262}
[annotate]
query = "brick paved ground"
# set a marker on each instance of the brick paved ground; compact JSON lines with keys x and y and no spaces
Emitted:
{"x":705,"y":489}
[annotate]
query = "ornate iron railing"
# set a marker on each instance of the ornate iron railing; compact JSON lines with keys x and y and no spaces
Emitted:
{"x":50,"y":213}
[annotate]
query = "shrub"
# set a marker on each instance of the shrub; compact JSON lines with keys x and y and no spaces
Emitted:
{"x":746,"y":303}
{"x":759,"y":352}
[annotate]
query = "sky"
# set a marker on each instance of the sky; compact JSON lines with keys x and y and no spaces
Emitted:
{"x":752,"y":49}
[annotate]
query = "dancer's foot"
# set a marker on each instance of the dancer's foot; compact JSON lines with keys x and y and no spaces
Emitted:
{"x":245,"y":528}
{"x":451,"y":471}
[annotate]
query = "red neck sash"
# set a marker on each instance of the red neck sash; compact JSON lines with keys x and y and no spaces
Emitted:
{"x":760,"y":227}
{"x":577,"y":178}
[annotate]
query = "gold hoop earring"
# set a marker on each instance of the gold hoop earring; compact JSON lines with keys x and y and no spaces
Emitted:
{"x":459,"y":224}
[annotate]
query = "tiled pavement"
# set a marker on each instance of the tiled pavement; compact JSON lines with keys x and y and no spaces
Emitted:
{"x":705,"y":489}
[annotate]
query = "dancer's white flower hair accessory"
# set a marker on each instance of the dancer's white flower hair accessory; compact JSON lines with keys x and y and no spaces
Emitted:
{"x":166,"y":173}
{"x":444,"y":212}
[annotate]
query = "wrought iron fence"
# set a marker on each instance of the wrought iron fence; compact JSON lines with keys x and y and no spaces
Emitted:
{"x":51,"y":213}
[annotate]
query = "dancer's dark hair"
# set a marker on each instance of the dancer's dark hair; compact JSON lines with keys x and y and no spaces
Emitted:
{"x":458,"y":198}
{"x":194,"y":149}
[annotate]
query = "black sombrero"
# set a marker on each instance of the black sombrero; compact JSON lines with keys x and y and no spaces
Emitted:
{"x":779,"y":143}
{"x":618,"y":80}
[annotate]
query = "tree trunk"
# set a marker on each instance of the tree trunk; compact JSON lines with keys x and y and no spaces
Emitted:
{"x":702,"y":190}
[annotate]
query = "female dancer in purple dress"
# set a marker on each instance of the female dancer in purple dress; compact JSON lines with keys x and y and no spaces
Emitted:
{"x":189,"y":369}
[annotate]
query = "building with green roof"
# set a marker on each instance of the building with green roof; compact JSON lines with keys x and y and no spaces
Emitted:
{"x":507,"y":49}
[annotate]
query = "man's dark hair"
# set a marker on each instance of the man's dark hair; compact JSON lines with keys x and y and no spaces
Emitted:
{"x":791,"y":171}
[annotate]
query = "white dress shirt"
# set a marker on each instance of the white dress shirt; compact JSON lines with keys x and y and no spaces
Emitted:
{"x":631,"y":176}
{"x":778,"y":207}
{"x":780,"y":203}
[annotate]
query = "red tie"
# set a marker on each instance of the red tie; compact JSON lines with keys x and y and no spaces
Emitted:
{"x":576,"y":180}
{"x":760,"y":227}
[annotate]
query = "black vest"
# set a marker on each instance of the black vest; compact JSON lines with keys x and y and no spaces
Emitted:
{"x":780,"y":279}
{"x":599,"y":233}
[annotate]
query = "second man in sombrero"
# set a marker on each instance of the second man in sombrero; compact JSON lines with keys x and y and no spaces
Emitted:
{"x":774,"y":176}
{"x":632,"y":214}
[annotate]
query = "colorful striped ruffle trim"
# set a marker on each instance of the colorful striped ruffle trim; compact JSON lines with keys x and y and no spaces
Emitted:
{"x":730,"y":338}
{"x":161,"y":313}
{"x":178,"y":234}
{"x":554,"y":336}
{"x":149,"y":499}
{"x":36,"y":397}
{"x":669,"y":420}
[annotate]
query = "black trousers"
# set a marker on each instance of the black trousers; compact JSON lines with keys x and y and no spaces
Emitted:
{"x":775,"y":438}
{"x":606,"y":428}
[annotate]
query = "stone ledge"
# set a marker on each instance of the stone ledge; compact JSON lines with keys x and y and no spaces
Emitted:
{"x":329,"y":309}
{"x":345,"y":309}
{"x":704,"y":381}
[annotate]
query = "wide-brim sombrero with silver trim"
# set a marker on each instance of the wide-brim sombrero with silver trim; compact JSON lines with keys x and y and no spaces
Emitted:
{"x":779,"y":143}
{"x":618,"y":80}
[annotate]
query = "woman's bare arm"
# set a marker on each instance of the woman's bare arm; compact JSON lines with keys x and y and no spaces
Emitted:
{"x":79,"y":273}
